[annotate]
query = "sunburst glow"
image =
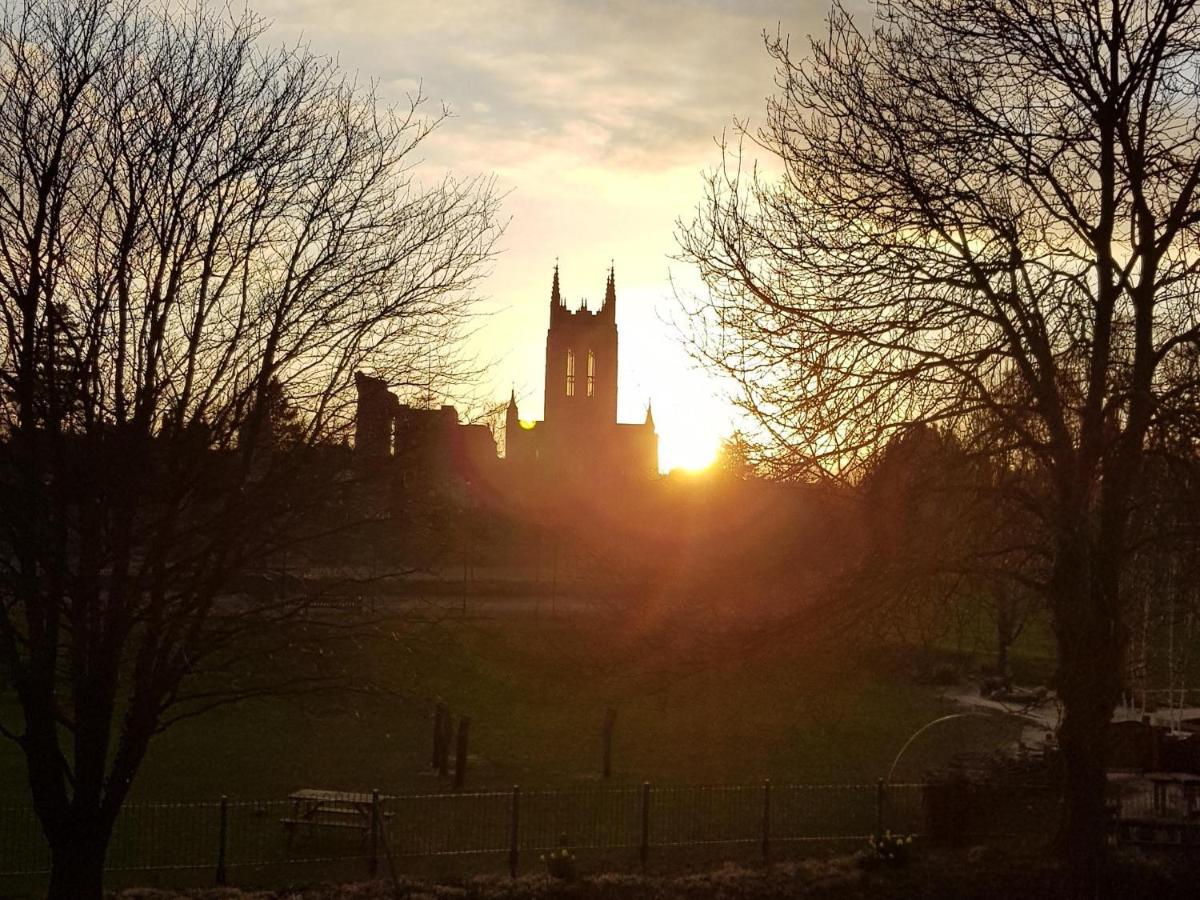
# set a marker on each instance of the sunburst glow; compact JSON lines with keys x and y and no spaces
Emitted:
{"x":691,"y":445}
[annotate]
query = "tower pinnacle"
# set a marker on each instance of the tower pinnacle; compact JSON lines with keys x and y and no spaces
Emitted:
{"x":555,"y":294}
{"x":610,"y":293}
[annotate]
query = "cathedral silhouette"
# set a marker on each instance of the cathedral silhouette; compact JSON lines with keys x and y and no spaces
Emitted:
{"x":580,"y":437}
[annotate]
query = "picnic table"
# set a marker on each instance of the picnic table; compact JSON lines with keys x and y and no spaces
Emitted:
{"x":314,"y":810}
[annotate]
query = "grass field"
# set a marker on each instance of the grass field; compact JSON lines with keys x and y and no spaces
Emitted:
{"x":536,"y":691}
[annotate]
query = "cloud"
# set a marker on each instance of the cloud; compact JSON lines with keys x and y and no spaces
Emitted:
{"x":632,"y":83}
{"x":598,"y":118}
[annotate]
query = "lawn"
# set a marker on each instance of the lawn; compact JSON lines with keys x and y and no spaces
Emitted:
{"x":536,"y":690}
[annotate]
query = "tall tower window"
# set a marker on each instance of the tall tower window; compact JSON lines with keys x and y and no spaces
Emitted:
{"x":570,"y":373}
{"x":591,"y":384}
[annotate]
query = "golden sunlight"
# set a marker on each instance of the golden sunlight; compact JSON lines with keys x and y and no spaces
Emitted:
{"x":690,"y":444}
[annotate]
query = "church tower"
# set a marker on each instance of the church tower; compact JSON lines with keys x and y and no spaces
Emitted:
{"x":581,"y":361}
{"x":579,"y":437}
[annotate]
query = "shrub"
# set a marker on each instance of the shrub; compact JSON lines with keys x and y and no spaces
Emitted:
{"x":888,"y":850}
{"x":560,"y":863}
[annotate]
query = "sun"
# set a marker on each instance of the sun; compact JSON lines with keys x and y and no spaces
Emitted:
{"x":688,"y":443}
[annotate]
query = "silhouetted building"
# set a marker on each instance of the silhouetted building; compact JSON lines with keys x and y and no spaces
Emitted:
{"x":580,"y":437}
{"x":375,"y":417}
{"x":429,"y":442}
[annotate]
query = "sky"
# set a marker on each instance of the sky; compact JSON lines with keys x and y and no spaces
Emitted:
{"x":597,"y":120}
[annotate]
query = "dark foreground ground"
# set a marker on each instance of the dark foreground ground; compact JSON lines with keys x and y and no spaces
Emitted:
{"x":976,"y":874}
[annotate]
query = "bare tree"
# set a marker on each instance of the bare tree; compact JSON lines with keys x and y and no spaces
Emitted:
{"x":201,"y":240}
{"x":972,"y":195}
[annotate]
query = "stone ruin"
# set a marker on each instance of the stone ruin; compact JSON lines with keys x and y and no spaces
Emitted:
{"x":375,"y":420}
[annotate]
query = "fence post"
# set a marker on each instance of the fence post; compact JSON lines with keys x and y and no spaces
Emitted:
{"x":222,"y":840}
{"x":460,"y":752}
{"x":766,"y":822}
{"x":610,"y":722}
{"x":644,"y":849}
{"x":514,"y":831}
{"x":879,"y":800}
{"x":443,"y":764}
{"x":373,"y":859}
{"x":439,"y":715}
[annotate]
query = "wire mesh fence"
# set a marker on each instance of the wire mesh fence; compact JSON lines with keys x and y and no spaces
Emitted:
{"x":446,"y":824}
{"x":806,"y":812}
{"x":213,"y":840}
{"x":164,"y":836}
{"x":22,"y":848}
{"x":591,"y":819}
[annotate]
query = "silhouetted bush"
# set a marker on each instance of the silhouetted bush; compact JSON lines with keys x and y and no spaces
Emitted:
{"x":981,"y":873}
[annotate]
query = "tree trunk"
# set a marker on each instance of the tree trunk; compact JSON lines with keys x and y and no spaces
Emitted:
{"x":1082,"y":737}
{"x":1090,"y":638}
{"x":1002,"y":670}
{"x":77,"y":863}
